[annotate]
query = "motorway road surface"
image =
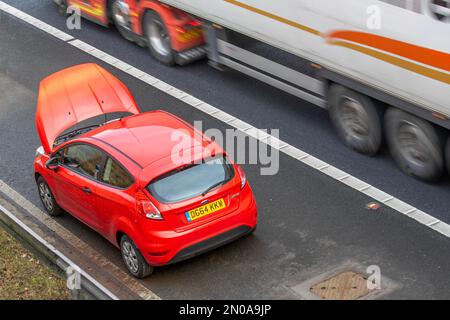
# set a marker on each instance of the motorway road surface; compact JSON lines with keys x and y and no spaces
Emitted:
{"x":309,"y":224}
{"x":302,"y":124}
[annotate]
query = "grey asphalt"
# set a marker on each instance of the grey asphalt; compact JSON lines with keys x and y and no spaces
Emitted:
{"x":302,"y":125}
{"x":309,"y":224}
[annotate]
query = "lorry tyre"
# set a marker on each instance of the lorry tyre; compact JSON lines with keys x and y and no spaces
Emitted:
{"x":158,"y":38}
{"x":120,"y":15}
{"x":415,"y":145}
{"x":356,"y":119}
{"x":62,"y":7}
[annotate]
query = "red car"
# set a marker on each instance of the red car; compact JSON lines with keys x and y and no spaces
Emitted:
{"x":119,"y":176}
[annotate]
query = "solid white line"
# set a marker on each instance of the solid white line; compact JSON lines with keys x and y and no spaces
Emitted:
{"x":408,"y":212}
{"x":35,"y":22}
{"x":305,"y":158}
{"x":50,"y":247}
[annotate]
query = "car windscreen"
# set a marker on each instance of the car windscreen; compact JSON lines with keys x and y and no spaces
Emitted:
{"x":191,"y":180}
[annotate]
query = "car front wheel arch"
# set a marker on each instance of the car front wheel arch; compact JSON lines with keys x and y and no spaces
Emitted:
{"x":119,"y":235}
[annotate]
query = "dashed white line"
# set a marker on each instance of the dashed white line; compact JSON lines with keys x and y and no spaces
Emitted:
{"x":232,"y":121}
{"x":35,"y":22}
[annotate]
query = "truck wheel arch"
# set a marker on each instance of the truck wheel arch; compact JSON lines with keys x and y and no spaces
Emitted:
{"x":161,"y":9}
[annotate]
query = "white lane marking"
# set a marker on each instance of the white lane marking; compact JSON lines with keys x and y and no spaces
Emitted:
{"x":50,"y":247}
{"x":248,"y":129}
{"x":65,"y":234}
{"x":35,"y":22}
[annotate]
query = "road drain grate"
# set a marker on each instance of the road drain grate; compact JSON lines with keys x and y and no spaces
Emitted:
{"x":344,"y":286}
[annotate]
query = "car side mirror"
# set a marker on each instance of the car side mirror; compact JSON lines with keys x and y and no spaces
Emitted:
{"x":71,"y":163}
{"x":52,"y":164}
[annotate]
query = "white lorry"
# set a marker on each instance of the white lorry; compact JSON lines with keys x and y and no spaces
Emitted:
{"x":381,"y":68}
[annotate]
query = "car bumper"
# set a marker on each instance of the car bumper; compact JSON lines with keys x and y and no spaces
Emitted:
{"x":211,"y":243}
{"x":162,"y":247}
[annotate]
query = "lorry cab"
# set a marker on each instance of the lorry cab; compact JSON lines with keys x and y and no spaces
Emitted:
{"x":171,"y":35}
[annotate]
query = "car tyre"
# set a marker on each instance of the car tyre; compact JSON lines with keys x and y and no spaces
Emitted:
{"x":415,"y":145}
{"x":133,"y":259}
{"x":47,"y":198}
{"x":356,"y":119}
{"x":158,"y":38}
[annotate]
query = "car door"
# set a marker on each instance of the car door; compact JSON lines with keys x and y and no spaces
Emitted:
{"x":76,"y":181}
{"x":116,"y":196}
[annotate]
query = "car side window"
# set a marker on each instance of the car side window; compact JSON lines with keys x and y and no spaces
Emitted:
{"x":84,"y":159}
{"x":115,"y":175}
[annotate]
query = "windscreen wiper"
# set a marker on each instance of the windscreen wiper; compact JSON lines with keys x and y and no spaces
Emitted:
{"x":73,"y":134}
{"x":213,"y":186}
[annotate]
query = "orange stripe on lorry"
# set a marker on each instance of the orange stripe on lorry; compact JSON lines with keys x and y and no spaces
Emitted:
{"x":433,"y":58}
{"x":274,"y":17}
{"x":402,"y":63}
{"x":398,"y":53}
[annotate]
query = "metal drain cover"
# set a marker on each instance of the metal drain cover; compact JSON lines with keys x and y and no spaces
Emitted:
{"x":347,"y":285}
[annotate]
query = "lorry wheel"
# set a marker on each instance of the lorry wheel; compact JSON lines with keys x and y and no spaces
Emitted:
{"x":158,"y":38}
{"x":415,"y":145}
{"x":356,"y":119}
{"x":134,"y":261}
{"x":62,"y":7}
{"x":120,"y":14}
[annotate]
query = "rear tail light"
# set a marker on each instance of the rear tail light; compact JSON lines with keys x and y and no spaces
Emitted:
{"x":242,"y":176}
{"x":146,"y":208}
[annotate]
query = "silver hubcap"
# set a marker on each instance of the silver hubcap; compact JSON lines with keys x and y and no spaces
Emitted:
{"x":120,"y":14}
{"x":130,"y":257}
{"x":46,"y":196}
{"x":159,"y":39}
{"x":413,"y":144}
{"x":353,"y":119}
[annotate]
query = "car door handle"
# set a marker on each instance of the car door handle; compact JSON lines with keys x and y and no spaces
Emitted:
{"x":86,"y":190}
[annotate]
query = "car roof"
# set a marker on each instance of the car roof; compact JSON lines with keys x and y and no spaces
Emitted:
{"x":148,"y":137}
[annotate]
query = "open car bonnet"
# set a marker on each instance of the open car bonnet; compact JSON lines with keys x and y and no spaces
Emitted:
{"x":75,"y":94}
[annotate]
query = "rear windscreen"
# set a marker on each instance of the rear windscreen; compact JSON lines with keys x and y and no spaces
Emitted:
{"x":191,"y":180}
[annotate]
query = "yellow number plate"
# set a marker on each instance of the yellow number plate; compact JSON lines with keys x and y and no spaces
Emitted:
{"x":202,"y":211}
